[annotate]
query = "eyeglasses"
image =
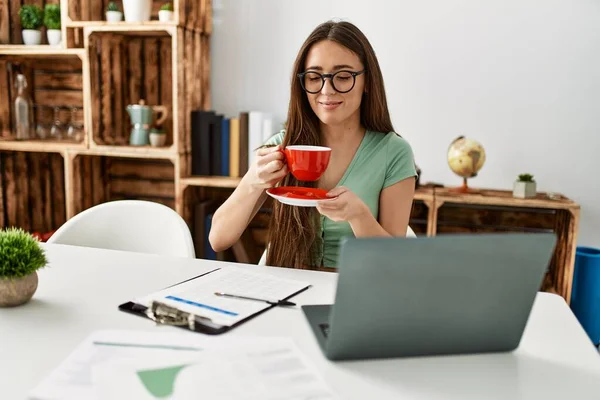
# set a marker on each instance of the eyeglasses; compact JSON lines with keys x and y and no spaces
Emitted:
{"x":342,"y":81}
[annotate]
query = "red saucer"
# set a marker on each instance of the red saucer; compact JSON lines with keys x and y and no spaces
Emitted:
{"x":298,"y":196}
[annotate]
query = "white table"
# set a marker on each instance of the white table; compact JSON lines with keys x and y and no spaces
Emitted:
{"x":80,"y":292}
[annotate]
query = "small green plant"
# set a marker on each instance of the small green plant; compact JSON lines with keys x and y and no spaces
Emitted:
{"x":52,"y":16}
{"x":166,"y":7}
{"x":32,"y":17}
{"x":20,"y":254}
{"x":526,"y":178}
{"x":112,"y":6}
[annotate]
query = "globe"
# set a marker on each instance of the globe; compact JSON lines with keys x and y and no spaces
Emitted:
{"x":465,"y":158}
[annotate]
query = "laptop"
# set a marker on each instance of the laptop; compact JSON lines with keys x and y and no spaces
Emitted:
{"x":452,"y":294}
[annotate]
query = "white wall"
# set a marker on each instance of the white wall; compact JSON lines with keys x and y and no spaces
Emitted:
{"x":520,"y":76}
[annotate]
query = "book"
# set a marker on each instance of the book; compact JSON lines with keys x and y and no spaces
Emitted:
{"x":209,"y":253}
{"x":234,"y":147}
{"x":215,"y":145}
{"x":243,"y":165}
{"x":201,"y":123}
{"x":225,"y":146}
{"x":201,"y":210}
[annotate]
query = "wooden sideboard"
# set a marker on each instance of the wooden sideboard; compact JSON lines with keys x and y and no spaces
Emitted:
{"x":438,"y":211}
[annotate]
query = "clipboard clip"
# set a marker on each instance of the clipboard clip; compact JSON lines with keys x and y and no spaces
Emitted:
{"x":164,"y":314}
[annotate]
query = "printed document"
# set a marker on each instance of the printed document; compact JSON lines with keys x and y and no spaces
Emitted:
{"x":198,"y":297}
{"x":180,"y":366}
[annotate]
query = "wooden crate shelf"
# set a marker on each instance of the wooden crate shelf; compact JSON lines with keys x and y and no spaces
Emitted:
{"x":489,"y":211}
{"x":126,"y":70}
{"x":10,"y":24}
{"x":98,"y":179}
{"x":53,"y":81}
{"x":101,"y":68}
{"x":129,"y":67}
{"x":32,"y":190}
{"x":194,"y":15}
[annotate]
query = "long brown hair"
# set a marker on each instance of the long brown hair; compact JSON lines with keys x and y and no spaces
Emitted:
{"x":293,"y":240}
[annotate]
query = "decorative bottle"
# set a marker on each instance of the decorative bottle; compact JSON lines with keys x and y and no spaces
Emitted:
{"x":23,"y":111}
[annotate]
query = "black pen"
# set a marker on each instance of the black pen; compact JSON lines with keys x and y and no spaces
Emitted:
{"x":275,"y":303}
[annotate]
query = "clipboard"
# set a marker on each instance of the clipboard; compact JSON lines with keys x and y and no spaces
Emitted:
{"x":168,"y":314}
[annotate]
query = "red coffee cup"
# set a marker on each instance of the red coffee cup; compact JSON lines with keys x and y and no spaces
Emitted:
{"x":307,"y":163}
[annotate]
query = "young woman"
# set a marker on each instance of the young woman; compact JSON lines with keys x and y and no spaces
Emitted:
{"x":337,"y":100}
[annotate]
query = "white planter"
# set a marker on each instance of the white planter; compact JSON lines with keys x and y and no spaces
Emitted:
{"x":165,"y":16}
{"x":54,"y":36}
{"x":158,"y":139}
{"x":114,"y":16}
{"x":524,"y":190}
{"x":32,"y":37}
{"x":137,"y":10}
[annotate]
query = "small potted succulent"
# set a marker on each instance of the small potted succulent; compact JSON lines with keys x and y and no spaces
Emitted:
{"x":137,"y":10}
{"x":524,"y":187}
{"x":158,"y":137}
{"x":20,"y":257}
{"x":32,"y":19}
{"x":52,"y":23}
{"x":113,"y":14}
{"x":165,"y":14}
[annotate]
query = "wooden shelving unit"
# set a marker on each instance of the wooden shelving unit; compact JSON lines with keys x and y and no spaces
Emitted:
{"x":439,"y":211}
{"x":498,"y":211}
{"x":100,"y":68}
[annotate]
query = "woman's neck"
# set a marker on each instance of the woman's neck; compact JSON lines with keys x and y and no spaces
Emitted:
{"x":343,"y":133}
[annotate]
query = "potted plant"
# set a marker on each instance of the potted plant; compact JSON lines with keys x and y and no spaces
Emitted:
{"x":32,"y":19}
{"x":113,"y":14}
{"x":137,"y":10}
{"x":20,"y":257}
{"x":52,"y":23}
{"x":165,"y":14}
{"x":524,"y":187}
{"x":158,"y":137}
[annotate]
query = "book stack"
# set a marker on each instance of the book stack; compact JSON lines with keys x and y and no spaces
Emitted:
{"x":223,"y":147}
{"x":226,"y":146}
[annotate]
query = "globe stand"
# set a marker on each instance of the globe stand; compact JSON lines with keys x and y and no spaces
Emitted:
{"x":464,"y":188}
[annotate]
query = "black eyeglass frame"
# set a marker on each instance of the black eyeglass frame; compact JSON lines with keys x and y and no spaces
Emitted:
{"x":354,"y":74}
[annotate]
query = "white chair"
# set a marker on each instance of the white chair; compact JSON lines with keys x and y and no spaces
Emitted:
{"x":130,"y":225}
{"x":409,"y":234}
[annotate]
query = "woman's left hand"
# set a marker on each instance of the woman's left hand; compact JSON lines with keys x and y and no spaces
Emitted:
{"x":344,"y":206}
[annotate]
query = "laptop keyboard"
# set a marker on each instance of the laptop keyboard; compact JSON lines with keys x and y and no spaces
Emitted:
{"x":324,"y":329}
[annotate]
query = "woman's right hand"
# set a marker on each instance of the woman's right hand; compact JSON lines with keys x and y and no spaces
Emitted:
{"x":269,"y":167}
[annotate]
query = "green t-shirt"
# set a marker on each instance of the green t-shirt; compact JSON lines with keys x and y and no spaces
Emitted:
{"x":382,"y":159}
